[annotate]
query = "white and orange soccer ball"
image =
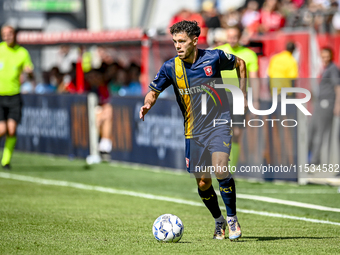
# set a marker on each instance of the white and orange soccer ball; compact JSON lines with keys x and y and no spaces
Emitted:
{"x":168,"y":228}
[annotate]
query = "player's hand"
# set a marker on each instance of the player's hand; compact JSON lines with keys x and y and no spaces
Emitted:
{"x":336,"y":110}
{"x":144,"y":110}
{"x":28,"y":69}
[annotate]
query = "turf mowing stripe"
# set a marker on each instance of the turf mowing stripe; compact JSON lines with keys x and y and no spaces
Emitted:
{"x":147,"y":196}
{"x":287,"y":202}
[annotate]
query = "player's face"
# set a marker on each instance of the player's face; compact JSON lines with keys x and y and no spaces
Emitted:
{"x":184,"y":44}
{"x":326,"y":57}
{"x":233,"y":36}
{"x":8,"y":35}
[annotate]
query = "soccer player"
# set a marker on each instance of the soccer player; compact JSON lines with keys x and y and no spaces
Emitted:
{"x":326,"y":106}
{"x":205,"y":145}
{"x":233,"y":47}
{"x":13,"y":60}
{"x":283,"y":69}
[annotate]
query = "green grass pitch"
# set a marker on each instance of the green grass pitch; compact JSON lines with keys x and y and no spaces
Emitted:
{"x":46,"y":219}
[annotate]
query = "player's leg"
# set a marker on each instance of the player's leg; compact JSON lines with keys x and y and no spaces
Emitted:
{"x":10,"y":142}
{"x":3,"y":114}
{"x":104,"y":119}
{"x":14,"y":105}
{"x":208,"y":195}
{"x":324,"y":120}
{"x":228,"y":192}
{"x":3,"y":118}
{"x":195,"y":156}
{"x":3,"y":128}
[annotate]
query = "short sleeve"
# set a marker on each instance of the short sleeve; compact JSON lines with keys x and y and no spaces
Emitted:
{"x":227,"y":61}
{"x":27,"y":61}
{"x":161,"y":80}
{"x":252,"y":63}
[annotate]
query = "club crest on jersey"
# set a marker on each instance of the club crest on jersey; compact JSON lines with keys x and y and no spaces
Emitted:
{"x":208,"y":70}
{"x":227,"y":55}
{"x":187,"y":162}
{"x":157,"y":75}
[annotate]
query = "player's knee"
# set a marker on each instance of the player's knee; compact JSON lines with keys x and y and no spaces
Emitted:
{"x":3,"y":129}
{"x":108,"y":111}
{"x":204,"y":184}
{"x":11,"y":132}
{"x":222,"y":174}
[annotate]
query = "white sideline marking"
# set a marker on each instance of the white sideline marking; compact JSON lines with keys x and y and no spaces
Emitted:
{"x":291,"y":191}
{"x":148,"y":196}
{"x":287,"y":202}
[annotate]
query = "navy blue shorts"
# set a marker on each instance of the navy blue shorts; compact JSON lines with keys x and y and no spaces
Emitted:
{"x":198,"y":150}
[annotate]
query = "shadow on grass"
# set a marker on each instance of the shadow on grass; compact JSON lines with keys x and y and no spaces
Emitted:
{"x":273,"y":238}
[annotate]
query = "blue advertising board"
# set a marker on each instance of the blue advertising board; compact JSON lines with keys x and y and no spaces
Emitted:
{"x":59,"y":124}
{"x":56,"y":124}
{"x":159,"y":140}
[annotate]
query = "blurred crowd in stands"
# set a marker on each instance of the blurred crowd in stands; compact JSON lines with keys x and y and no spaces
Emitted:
{"x":263,"y":16}
{"x":109,"y":78}
{"x":256,"y":17}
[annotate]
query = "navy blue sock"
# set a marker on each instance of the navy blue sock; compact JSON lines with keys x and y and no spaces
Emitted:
{"x":228,"y":193}
{"x":209,"y":198}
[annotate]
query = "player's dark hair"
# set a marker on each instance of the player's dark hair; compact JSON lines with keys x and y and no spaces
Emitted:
{"x":290,"y":46}
{"x":329,"y":50}
{"x":190,"y":27}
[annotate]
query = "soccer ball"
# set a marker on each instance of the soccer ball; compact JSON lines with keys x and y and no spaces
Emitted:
{"x":168,"y":228}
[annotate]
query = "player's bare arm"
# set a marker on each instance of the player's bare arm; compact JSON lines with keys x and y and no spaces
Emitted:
{"x":149,"y":101}
{"x":242,"y":75}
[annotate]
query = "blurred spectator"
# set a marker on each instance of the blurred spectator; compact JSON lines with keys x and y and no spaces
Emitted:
{"x":251,"y":14}
{"x":110,"y":76}
{"x":56,"y":78}
{"x":45,"y":87}
{"x":86,"y":61}
{"x":326,"y":106}
{"x":96,"y":81}
{"x":120,"y":81}
{"x":319,"y":15}
{"x":210,"y":15}
{"x":336,"y":17}
{"x":270,"y":17}
{"x":283,"y":69}
{"x":106,"y":56}
{"x":27,"y":84}
{"x":250,"y":20}
{"x":289,"y":10}
{"x":231,"y":18}
{"x":66,"y":56}
{"x":186,"y":14}
{"x":134,"y":86}
{"x":217,"y":37}
{"x":69,"y":81}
